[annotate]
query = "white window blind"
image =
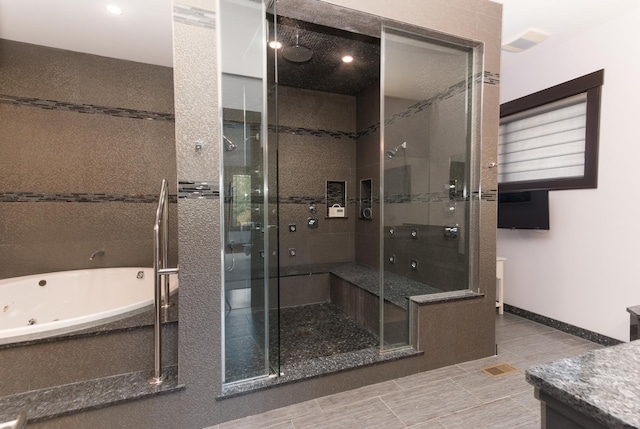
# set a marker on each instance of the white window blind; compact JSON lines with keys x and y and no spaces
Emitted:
{"x":547,"y":142}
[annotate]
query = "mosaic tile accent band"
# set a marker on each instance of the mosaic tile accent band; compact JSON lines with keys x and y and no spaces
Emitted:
{"x":77,"y":197}
{"x":311,"y":132}
{"x":491,"y":78}
{"x":194,"y":16}
{"x":425,"y":197}
{"x":86,"y":108}
{"x":562,"y":326}
{"x":198,"y":190}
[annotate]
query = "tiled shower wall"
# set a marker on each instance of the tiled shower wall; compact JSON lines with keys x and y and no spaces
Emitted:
{"x":85,"y":141}
{"x":368,"y":167}
{"x":307,"y":159}
{"x":442,"y":261}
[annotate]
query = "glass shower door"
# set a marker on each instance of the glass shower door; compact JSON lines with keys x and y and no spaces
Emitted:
{"x":427,"y":100}
{"x":250,"y":183}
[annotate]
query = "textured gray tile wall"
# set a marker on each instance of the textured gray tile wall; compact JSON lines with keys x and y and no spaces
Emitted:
{"x":79,"y":78}
{"x":368,"y":167}
{"x":51,"y":236}
{"x":306,"y":163}
{"x":440,"y":264}
{"x":117,"y":148}
{"x":310,"y":289}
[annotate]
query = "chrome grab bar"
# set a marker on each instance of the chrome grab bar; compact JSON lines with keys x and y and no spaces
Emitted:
{"x":19,"y":423}
{"x":161,"y":277}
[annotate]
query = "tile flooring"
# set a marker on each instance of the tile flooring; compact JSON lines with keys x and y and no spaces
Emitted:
{"x":458,"y":396}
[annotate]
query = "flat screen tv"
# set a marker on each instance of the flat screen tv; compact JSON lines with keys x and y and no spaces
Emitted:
{"x":523,"y":210}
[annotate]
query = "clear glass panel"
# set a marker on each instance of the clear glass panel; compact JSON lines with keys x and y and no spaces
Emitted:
{"x":248,"y":240}
{"x":271,"y":196}
{"x":425,"y":168}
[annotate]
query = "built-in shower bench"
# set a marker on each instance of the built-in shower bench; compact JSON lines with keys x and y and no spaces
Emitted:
{"x":355,"y":289}
{"x":399,"y":290}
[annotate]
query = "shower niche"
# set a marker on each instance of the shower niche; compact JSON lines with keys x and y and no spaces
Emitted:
{"x":365,"y":208}
{"x":336,"y":197}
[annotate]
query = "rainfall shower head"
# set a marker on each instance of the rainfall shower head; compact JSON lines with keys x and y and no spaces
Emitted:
{"x":392,"y":153}
{"x":297,"y":53}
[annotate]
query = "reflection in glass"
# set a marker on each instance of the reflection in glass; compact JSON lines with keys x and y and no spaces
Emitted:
{"x":250,"y":328}
{"x":425,"y":167}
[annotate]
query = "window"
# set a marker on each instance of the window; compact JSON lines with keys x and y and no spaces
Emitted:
{"x":549,"y":139}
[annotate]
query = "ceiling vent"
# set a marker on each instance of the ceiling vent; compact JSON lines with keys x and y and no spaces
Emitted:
{"x":526,"y":40}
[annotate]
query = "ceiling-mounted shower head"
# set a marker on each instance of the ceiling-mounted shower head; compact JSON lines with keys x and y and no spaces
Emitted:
{"x":392,"y":153}
{"x":297,"y":53}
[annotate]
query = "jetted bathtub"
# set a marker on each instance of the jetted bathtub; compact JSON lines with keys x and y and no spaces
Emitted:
{"x":43,"y":305}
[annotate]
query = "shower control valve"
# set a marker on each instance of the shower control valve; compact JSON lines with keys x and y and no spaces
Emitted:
{"x":451,"y":231}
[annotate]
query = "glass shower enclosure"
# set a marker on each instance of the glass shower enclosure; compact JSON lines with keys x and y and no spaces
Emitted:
{"x":429,"y":88}
{"x":249,"y":184}
{"x":422,"y":210}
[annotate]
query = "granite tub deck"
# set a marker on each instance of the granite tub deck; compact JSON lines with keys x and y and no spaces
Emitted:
{"x":87,"y":395}
{"x":600,"y":389}
{"x":68,"y":397}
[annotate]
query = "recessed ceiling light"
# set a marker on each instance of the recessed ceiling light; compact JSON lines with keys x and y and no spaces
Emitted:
{"x":347,"y":59}
{"x":112,"y":8}
{"x":275,"y":44}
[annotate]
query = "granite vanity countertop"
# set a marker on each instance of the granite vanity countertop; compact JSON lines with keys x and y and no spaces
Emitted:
{"x":603,"y":384}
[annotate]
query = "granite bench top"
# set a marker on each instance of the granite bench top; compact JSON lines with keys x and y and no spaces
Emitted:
{"x":603,"y":384}
{"x":397,"y":289}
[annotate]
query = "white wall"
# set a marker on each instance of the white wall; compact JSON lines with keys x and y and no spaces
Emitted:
{"x":586,"y":270}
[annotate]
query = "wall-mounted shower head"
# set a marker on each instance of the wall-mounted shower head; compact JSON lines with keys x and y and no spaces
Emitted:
{"x":256,"y":136}
{"x":392,"y":153}
{"x":229,"y":145}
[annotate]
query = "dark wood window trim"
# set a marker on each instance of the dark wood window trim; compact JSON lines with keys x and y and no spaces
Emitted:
{"x":590,"y":84}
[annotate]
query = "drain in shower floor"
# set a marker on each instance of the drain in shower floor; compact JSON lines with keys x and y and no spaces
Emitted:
{"x":499,"y":370}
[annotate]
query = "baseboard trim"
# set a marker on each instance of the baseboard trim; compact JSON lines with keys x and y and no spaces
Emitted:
{"x":562,"y":326}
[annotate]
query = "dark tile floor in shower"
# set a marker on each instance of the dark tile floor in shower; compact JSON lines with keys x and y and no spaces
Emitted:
{"x":306,"y":332}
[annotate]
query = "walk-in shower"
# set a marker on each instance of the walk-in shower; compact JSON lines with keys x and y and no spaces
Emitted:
{"x":302,"y":282}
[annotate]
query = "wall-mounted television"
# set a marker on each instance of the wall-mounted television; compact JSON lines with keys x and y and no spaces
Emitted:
{"x":523,"y":210}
